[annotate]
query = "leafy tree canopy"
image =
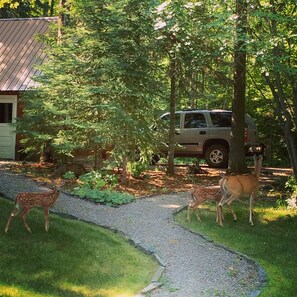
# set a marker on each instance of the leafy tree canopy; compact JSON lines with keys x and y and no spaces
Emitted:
{"x":111,"y":72}
{"x":29,"y":8}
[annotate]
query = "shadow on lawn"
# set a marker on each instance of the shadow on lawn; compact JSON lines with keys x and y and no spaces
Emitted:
{"x":72,"y":259}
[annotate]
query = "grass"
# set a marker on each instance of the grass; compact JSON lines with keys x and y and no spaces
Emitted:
{"x":272,"y":241}
{"x":72,"y":259}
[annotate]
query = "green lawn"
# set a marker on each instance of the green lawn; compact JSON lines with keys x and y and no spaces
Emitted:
{"x":72,"y":259}
{"x":272,"y":241}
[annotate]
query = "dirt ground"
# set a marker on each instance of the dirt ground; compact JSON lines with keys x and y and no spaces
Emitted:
{"x":153,"y":181}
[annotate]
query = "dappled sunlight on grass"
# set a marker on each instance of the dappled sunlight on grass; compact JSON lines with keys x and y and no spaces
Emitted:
{"x":68,"y":289}
{"x":95,"y":292}
{"x":271,"y":241}
{"x":275,"y":214}
{"x":72,"y":259}
{"x":15,"y":291}
{"x":174,"y":206}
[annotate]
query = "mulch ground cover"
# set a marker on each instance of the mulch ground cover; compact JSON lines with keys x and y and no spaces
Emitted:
{"x":152,"y":182}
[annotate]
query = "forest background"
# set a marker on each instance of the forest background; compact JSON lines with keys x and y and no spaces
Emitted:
{"x":112,"y":71}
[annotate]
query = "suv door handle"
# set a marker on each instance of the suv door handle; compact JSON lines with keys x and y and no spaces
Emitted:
{"x":177,"y":132}
{"x":202,"y":132}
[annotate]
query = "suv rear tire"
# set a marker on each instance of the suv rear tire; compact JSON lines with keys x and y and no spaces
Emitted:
{"x":217,"y":156}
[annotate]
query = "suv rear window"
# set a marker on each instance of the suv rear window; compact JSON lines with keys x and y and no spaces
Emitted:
{"x":250,"y":123}
{"x":221,"y":119}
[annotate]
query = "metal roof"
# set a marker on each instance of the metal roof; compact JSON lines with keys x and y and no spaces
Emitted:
{"x":20,"y":51}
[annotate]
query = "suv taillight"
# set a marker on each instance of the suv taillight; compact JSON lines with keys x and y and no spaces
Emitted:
{"x":245,"y":135}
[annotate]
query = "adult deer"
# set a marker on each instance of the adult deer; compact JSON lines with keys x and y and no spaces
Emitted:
{"x":235,"y":186}
{"x":26,"y":201}
{"x":200,"y":195}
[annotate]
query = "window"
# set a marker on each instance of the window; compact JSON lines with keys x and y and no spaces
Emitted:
{"x":5,"y":113}
{"x":221,"y":119}
{"x":166,"y":118}
{"x":195,"y":120}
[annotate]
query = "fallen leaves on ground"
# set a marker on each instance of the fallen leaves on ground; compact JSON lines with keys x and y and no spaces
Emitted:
{"x":152,"y":182}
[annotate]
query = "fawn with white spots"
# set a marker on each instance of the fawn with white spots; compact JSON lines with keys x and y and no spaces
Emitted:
{"x":25,"y":201}
{"x":202,"y":194}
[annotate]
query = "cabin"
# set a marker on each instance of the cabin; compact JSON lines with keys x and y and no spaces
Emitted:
{"x":20,"y":52}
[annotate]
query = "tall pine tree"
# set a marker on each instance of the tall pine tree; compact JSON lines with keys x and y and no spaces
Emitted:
{"x":97,"y":90}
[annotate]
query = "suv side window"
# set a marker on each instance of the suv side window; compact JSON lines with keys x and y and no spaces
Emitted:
{"x":221,"y":119}
{"x":195,"y":120}
{"x":166,"y":119}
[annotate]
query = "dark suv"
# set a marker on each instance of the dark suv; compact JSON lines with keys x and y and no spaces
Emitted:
{"x":206,"y":134}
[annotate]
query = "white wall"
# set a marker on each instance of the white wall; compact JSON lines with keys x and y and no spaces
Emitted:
{"x":7,"y":136}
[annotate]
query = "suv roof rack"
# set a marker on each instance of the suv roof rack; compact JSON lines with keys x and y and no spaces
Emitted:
{"x":213,"y":110}
{"x":220,"y":110}
{"x":194,"y":109}
{"x":189,"y":109}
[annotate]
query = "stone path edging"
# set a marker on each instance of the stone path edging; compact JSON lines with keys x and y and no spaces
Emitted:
{"x":191,"y":265}
{"x":155,"y":281}
{"x":263,"y":278}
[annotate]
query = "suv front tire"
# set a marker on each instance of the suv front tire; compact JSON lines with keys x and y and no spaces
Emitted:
{"x":217,"y":156}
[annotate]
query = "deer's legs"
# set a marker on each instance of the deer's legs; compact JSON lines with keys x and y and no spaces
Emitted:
{"x":217,"y":218}
{"x":232,"y":211}
{"x":220,"y":214}
{"x":196,"y":213}
{"x":195,"y":209}
{"x":228,"y":202}
{"x":188,"y":216}
{"x":23,"y":217}
{"x":194,"y":206}
{"x":11,"y":217}
{"x":251,"y":209}
{"x":46,"y":217}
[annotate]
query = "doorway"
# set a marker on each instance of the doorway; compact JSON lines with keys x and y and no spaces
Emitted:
{"x":8,"y":107}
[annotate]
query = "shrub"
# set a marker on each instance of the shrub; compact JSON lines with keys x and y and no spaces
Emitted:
{"x":93,"y":187}
{"x":69,"y":175}
{"x":108,"y":197}
{"x":98,"y":180}
{"x":291,"y":186}
{"x":292,"y":201}
{"x":137,"y":168}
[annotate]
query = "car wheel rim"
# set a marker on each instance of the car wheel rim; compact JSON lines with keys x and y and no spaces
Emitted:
{"x":216,"y":157}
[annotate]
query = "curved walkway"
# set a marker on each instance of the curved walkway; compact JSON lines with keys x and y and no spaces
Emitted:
{"x":194,"y":267}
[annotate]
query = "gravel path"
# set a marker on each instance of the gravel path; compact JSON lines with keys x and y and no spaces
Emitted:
{"x":194,"y":267}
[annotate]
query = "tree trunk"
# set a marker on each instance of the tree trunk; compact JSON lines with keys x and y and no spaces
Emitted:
{"x":170,"y":166}
{"x":124,"y":172}
{"x":51,"y":7}
{"x":285,"y":108}
{"x":237,"y":162}
{"x":285,"y":120}
{"x":98,"y":160}
{"x":61,"y":19}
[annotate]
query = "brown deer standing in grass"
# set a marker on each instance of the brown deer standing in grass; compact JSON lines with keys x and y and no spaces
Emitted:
{"x":202,"y":194}
{"x":235,"y":186}
{"x":26,"y":201}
